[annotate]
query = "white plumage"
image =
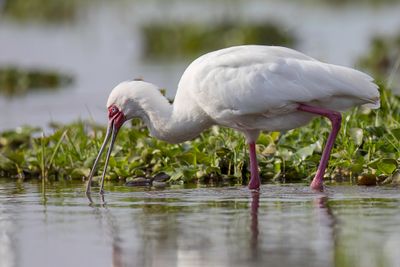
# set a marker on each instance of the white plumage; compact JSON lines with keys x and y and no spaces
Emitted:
{"x":258,"y":87}
{"x":248,"y":88}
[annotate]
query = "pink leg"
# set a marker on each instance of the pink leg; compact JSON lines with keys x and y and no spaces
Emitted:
{"x":255,"y":177}
{"x":335,"y":118}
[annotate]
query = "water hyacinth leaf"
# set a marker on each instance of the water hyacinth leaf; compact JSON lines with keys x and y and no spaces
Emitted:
{"x":156,"y":152}
{"x":314,"y":159}
{"x":5,"y":163}
{"x":112,"y":163}
{"x":187,"y":157}
{"x":222,"y":151}
{"x":358,"y":165}
{"x":285,"y":153}
{"x":176,"y":175}
{"x":215,"y":170}
{"x":277,"y":165}
{"x":201,"y":173}
{"x":269,"y":150}
{"x":16,"y":157}
{"x":88,"y":163}
{"x":357,"y":135}
{"x":264,"y":139}
{"x":387,"y":166}
{"x":122,"y":172}
{"x":396,"y":133}
{"x":79,"y":173}
{"x":377,"y":131}
{"x":275,"y":135}
{"x":189,"y":173}
{"x":138,"y":173}
{"x":134,"y":164}
{"x":305,"y":152}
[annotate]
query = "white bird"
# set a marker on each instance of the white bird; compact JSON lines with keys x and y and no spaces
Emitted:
{"x":248,"y":88}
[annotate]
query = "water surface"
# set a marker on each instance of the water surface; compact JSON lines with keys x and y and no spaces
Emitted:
{"x":280,"y":226}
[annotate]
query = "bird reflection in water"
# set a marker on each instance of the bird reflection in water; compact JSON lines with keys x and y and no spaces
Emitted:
{"x":325,"y":226}
{"x":322,"y":222}
{"x":255,"y":200}
{"x":108,"y":222}
{"x":323,"y":211}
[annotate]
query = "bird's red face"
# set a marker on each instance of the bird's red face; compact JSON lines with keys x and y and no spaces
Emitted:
{"x":116,"y":117}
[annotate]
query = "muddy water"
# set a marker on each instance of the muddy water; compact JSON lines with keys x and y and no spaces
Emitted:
{"x":280,"y":226}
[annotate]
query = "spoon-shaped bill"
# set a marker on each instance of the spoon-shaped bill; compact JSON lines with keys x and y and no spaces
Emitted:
{"x":113,"y":137}
{"x":106,"y":138}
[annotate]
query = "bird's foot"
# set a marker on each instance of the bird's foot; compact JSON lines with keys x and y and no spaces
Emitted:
{"x":254,"y":183}
{"x":317,"y":185}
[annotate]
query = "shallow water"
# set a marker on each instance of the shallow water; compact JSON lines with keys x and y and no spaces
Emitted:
{"x":281,"y":226}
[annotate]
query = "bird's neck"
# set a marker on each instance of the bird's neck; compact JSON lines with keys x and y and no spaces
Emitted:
{"x":173,"y":123}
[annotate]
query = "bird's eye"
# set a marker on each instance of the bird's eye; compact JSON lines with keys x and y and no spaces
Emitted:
{"x":112,"y":111}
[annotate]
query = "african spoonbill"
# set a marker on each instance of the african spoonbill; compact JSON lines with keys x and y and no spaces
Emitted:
{"x":249,"y":88}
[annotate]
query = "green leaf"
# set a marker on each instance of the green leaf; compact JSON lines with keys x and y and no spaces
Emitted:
{"x":387,"y":166}
{"x":176,"y":175}
{"x":264,"y":139}
{"x":16,"y":156}
{"x":396,"y":133}
{"x":80,"y":172}
{"x":305,"y":152}
{"x":5,"y":163}
{"x":357,"y":135}
{"x":378,"y":131}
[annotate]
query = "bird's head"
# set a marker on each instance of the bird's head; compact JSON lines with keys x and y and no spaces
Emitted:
{"x":116,"y":105}
{"x":124,"y":103}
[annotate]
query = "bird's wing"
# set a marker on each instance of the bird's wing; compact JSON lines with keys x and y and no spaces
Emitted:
{"x":259,"y":83}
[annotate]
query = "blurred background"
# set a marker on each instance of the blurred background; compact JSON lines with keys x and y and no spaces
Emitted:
{"x":60,"y":59}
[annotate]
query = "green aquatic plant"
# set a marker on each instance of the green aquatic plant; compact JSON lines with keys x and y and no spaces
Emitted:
{"x":40,"y":10}
{"x":17,"y":81}
{"x":180,"y":40}
{"x":367,"y":144}
{"x":383,"y":59}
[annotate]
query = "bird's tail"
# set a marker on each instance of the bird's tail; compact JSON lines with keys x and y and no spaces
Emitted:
{"x":360,"y":84}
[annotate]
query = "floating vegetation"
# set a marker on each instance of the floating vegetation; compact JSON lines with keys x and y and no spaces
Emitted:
{"x":190,"y":40}
{"x":40,"y":10}
{"x":383,"y":60}
{"x":15,"y":81}
{"x":368,"y":148}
